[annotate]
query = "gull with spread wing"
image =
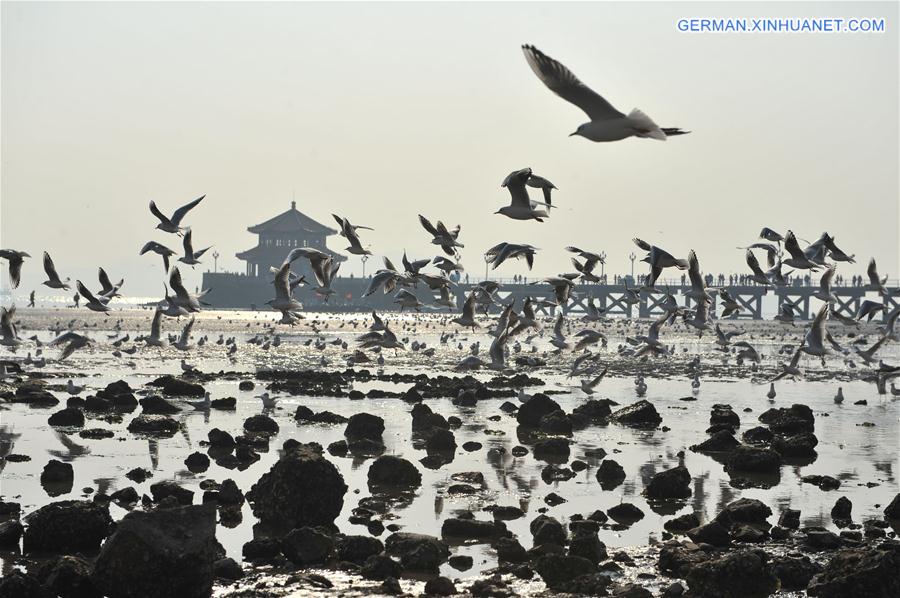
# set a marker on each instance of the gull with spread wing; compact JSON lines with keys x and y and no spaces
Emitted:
{"x":607,"y":123}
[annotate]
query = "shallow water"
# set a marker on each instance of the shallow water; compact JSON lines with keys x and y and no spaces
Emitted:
{"x":849,"y":448}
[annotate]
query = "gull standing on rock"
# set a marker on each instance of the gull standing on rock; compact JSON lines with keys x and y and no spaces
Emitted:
{"x":607,"y":123}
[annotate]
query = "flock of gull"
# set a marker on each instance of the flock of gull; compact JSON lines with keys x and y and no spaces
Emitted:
{"x":440,"y":276}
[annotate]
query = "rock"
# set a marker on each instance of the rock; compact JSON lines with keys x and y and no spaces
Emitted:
{"x":509,"y":550}
{"x":423,"y":418}
{"x":892,"y":511}
{"x":197,"y":462}
{"x":380,"y":567}
{"x":625,"y":513}
{"x":18,"y":584}
{"x":553,"y":473}
{"x":417,"y":552}
{"x":585,"y":543}
{"x":720,"y":442}
{"x":747,"y":533}
{"x":639,"y":415}
{"x":440,"y":586}
{"x":789,"y":518}
{"x":155,"y":405}
{"x":57,"y":477}
{"x":220,"y":439}
{"x":171,"y":386}
{"x":461,"y":562}
{"x":159,"y":554}
{"x":224,"y":404}
{"x":842,"y":509}
{"x":678,"y":560}
{"x":859,"y":572}
{"x":745,"y":510}
{"x":713,"y":533}
{"x":139,"y":475}
{"x":557,"y":569}
{"x":794,"y":573}
{"x":471,"y":529}
{"x":34,"y":395}
{"x":556,"y":422}
{"x":228,"y":569}
{"x":261,"y":423}
{"x":440,"y":440}
{"x":167,"y":488}
{"x":798,"y":445}
{"x":818,"y":538}
{"x":758,"y":435}
{"x":671,"y":483}
{"x":307,"y":546}
{"x":610,"y":474}
{"x":67,"y":526}
{"x":389,"y":470}
{"x":356,"y":549}
{"x":795,"y":419}
{"x":301,"y":489}
{"x":534,"y":409}
{"x":364,"y":426}
{"x":547,"y":530}
{"x":554,"y":450}
{"x":10,"y":534}
{"x":744,"y":573}
{"x":68,"y":417}
{"x":630,"y":590}
{"x":69,"y":577}
{"x":261,"y":550}
{"x":682,"y":523}
{"x":824,"y":482}
{"x":594,"y":410}
{"x":246,"y":385}
{"x":154,"y":424}
{"x":392,"y":586}
{"x":724,"y":415}
{"x":746,"y":458}
{"x":127,"y":495}
{"x":96,"y":433}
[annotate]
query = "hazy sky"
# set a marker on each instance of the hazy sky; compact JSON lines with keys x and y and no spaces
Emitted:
{"x":382,"y":111}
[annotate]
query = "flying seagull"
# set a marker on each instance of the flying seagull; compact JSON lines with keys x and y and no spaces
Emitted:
{"x":349,"y":231}
{"x":108,"y":290}
{"x":658,"y":259}
{"x":15,"y":259}
{"x":521,"y":207}
{"x":159,"y":249}
{"x":92,"y":302}
{"x":539,"y":182}
{"x":173,"y":224}
{"x":53,"y":280}
{"x":607,"y":123}
{"x":504,"y":251}
{"x":446,"y":239}
{"x":190,"y":256}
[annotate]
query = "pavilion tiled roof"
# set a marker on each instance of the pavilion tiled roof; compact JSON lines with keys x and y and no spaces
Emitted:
{"x":291,"y":221}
